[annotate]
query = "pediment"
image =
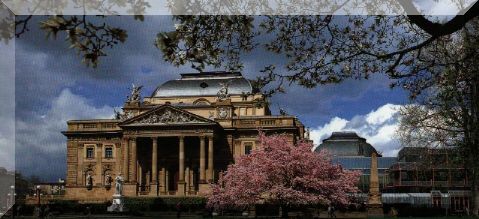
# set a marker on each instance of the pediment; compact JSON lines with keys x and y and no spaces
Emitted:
{"x":166,"y":115}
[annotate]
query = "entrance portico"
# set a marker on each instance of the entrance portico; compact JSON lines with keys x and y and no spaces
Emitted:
{"x":168,"y":158}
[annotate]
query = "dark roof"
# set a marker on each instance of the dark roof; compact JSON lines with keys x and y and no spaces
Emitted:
{"x":412,"y":154}
{"x":346,"y":144}
{"x":364,"y":162}
{"x":203,"y":84}
{"x":344,"y":135}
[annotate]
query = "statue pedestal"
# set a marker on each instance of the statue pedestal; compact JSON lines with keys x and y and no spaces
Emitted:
{"x":375,"y":211}
{"x":204,"y":188}
{"x":117,"y":204}
{"x":181,"y":189}
{"x":154,"y":189}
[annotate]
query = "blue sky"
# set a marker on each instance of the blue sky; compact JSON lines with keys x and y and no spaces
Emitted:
{"x":53,"y":86}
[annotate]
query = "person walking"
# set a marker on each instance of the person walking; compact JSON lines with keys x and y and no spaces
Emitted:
{"x":334,"y":212}
{"x":331,"y":211}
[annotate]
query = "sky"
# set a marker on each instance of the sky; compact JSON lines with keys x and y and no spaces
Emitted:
{"x":53,"y":86}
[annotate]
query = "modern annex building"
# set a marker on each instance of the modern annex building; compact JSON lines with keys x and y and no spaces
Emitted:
{"x":418,"y":176}
{"x":354,"y":153}
{"x":173,"y":142}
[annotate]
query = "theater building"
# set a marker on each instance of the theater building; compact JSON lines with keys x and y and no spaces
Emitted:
{"x":173,"y":142}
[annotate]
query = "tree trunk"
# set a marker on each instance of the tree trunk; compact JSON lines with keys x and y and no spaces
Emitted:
{"x":474,"y":142}
{"x":283,"y":211}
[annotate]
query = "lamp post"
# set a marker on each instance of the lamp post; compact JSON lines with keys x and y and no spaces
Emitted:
{"x":37,"y":212}
{"x":8,"y":200}
{"x":38,"y":195}
{"x":12,"y":196}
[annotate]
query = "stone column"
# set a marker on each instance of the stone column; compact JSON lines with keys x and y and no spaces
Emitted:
{"x":203,"y":187}
{"x":375,"y":207}
{"x":163,"y":182}
{"x":192,"y":181}
{"x":126,"y":157}
{"x":154,"y":167}
{"x":210,"y":159}
{"x":154,"y":160}
{"x":202,"y":160}
{"x":167,"y":180}
{"x":181,"y":176}
{"x":134,"y":167}
{"x":181,"y":169}
{"x":99,"y":175}
{"x":187,"y":180}
{"x":117,"y":156}
{"x":139,"y":173}
{"x":81,"y":157}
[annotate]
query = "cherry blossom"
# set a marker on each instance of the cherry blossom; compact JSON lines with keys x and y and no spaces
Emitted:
{"x":279,"y":172}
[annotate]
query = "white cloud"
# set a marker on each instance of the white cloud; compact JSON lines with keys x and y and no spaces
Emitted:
{"x":323,"y":131}
{"x":378,"y":127}
{"x":382,"y":114}
{"x":40,"y":145}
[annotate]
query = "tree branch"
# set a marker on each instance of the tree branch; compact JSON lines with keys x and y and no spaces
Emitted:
{"x":437,"y":29}
{"x":24,"y":28}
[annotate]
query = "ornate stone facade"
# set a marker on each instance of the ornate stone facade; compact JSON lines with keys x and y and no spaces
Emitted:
{"x":173,"y":142}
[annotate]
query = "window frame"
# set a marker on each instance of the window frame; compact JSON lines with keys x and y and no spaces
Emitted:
{"x":105,"y":154}
{"x":247,"y":144}
{"x":92,"y":149}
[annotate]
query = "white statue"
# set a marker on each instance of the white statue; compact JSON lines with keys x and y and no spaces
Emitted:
{"x":135,"y":93}
{"x":223,"y":92}
{"x":211,"y":115}
{"x":117,"y":203}
{"x":118,"y":184}
{"x":89,"y":180}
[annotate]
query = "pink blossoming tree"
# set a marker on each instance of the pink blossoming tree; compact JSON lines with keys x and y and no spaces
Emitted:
{"x":282,"y":173}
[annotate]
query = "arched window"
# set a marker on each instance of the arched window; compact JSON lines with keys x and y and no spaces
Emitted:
{"x":202,"y":102}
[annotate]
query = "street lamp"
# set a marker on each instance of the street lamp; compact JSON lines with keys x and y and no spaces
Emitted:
{"x":8,"y":200}
{"x":38,"y":195}
{"x":12,"y":196}
{"x":37,"y":211}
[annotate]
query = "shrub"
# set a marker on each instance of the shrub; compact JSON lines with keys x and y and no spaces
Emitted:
{"x":140,"y":204}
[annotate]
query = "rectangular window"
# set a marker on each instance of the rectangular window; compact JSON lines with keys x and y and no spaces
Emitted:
{"x":89,"y":126}
{"x":90,"y":153}
{"x":248,"y":147}
{"x":108,"y":152}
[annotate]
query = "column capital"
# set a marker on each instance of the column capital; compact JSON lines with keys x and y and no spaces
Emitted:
{"x":202,"y":137}
{"x":154,"y":138}
{"x":181,"y":137}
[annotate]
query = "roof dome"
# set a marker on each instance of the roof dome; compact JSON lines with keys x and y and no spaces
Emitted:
{"x":346,"y":144}
{"x":203,"y":84}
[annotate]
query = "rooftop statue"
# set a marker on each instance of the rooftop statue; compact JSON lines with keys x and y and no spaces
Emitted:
{"x":223,"y":92}
{"x":135,"y":93}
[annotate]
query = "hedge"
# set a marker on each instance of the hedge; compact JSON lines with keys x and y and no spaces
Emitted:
{"x":68,"y":206}
{"x":141,"y":204}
